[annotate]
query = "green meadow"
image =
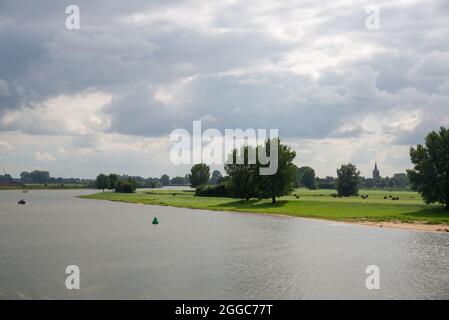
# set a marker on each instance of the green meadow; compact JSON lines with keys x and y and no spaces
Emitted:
{"x":301,"y":203}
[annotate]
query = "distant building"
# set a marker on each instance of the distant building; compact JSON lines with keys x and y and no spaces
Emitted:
{"x":376,"y":175}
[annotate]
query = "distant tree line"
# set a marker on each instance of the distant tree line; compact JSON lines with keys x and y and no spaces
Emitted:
{"x":43,"y":177}
{"x":6,"y":178}
{"x":399,"y":181}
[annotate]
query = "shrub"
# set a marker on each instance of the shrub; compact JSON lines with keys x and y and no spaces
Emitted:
{"x":125,"y":186}
{"x":218,"y":190}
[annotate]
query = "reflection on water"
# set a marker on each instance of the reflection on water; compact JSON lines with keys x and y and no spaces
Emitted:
{"x":200,"y":254}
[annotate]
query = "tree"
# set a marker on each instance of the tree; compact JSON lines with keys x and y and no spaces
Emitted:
{"x":430,"y":174}
{"x":348,"y":180}
{"x":25,"y":177}
{"x":199,"y":175}
{"x":240,"y":183}
{"x":37,"y":176}
{"x":165,"y":180}
{"x":102,"y":181}
{"x":216,"y":177}
{"x":280,"y":183}
{"x":6,"y":177}
{"x":400,"y":180}
{"x":178,"y":181}
{"x":126,"y":186}
{"x":113,"y":180}
{"x":306,"y":177}
{"x":326,"y":183}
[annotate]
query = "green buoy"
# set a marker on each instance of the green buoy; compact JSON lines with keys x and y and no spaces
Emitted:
{"x":155,"y":221}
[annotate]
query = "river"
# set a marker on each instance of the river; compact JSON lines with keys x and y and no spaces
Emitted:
{"x":196,"y":254}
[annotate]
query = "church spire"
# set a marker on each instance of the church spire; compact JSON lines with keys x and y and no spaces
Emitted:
{"x":376,"y":174}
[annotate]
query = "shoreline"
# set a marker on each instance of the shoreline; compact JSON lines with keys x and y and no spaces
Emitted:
{"x":442,"y":228}
{"x":407,"y":226}
{"x":417,"y":226}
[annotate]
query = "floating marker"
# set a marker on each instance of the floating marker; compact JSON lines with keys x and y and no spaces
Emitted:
{"x":155,"y":221}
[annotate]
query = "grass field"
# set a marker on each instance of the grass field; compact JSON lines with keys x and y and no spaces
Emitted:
{"x":311,"y":203}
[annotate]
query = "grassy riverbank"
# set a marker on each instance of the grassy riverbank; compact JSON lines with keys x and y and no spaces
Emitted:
{"x":311,"y":203}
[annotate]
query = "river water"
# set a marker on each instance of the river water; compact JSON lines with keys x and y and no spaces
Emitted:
{"x":195,"y":254}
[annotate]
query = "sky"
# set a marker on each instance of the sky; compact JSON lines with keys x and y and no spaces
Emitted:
{"x":105,"y":97}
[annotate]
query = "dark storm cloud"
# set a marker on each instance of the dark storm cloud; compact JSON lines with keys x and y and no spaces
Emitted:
{"x":231,"y":63}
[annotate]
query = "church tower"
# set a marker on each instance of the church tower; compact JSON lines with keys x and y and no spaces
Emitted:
{"x":376,"y":175}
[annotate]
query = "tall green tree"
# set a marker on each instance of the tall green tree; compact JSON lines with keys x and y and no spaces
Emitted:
{"x":102,"y":181}
{"x":348,"y":180}
{"x":283,"y":180}
{"x":199,"y":175}
{"x":240,"y":183}
{"x":430,"y":174}
{"x":113,"y":179}
{"x":165,"y":180}
{"x":307,"y":178}
{"x":216,"y":177}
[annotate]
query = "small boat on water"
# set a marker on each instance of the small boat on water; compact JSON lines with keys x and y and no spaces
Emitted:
{"x":155,"y":221}
{"x":21,"y":201}
{"x":24,"y":191}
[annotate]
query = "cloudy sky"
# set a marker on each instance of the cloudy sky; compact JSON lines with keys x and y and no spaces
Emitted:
{"x":106,"y":97}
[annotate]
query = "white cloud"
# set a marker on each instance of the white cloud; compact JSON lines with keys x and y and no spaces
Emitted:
{"x":73,"y":115}
{"x":44,"y":156}
{"x":431,"y":65}
{"x":5,"y":145}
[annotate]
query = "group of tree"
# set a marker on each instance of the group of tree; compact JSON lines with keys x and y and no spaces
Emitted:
{"x":6,"y":178}
{"x":429,"y":175}
{"x":326,"y":183}
{"x":165,"y":180}
{"x":179,"y":181}
{"x":349,"y":181}
{"x":35,"y":176}
{"x":305,"y":177}
{"x":243,"y":179}
{"x":116,"y":183}
{"x":398,"y":181}
{"x":199,"y":175}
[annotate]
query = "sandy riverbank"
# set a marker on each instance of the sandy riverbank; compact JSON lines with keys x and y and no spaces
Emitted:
{"x":409,"y":226}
